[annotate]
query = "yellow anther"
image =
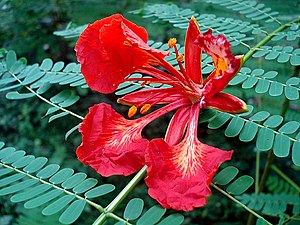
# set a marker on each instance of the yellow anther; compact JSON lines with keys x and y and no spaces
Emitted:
{"x":132,"y":111}
{"x":127,"y":43}
{"x":179,"y":58}
{"x":172,"y":42}
{"x":145,"y":108}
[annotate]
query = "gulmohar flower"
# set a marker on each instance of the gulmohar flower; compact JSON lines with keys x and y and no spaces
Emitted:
{"x":180,"y":167}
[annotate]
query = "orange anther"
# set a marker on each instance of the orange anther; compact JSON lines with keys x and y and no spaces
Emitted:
{"x":172,"y":42}
{"x":179,"y":58}
{"x":153,"y":62}
{"x":127,"y":43}
{"x":132,"y":111}
{"x":145,"y":108}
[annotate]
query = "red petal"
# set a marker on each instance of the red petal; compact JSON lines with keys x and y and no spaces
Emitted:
{"x":192,"y":52}
{"x":227,"y":65}
{"x":177,"y":126}
{"x":152,"y":96}
{"x":110,"y":49}
{"x":179,"y":175}
{"x":173,"y":180}
{"x":227,"y":103}
{"x":111,"y":144}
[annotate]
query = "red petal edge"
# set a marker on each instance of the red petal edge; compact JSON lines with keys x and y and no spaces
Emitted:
{"x":110,"y":49}
{"x":177,"y":187}
{"x":227,"y":103}
{"x":226,"y":64}
{"x":192,"y":52}
{"x":111,"y":144}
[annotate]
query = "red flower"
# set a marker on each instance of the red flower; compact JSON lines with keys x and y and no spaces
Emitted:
{"x":180,"y":167}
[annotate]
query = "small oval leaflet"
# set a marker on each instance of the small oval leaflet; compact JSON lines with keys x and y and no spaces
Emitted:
{"x":289,"y":127}
{"x":249,"y":131}
{"x":46,"y":64}
{"x":152,"y":216}
{"x":174,"y":219}
{"x":72,"y":212}
{"x":6,"y":152}
{"x":17,"y":187}
{"x":226,"y":175}
{"x":36,"y":165}
{"x":5,"y":171}
{"x":26,"y":195}
{"x":134,"y":209}
{"x":240,"y":185}
{"x":99,"y":191}
{"x":13,"y":157}
{"x":74,"y":180}
{"x":273,"y":121}
{"x":24,"y":161}
{"x":234,"y":127}
{"x":282,"y":145}
{"x":48,"y":171}
{"x":259,"y":116}
{"x":58,"y":205}
{"x":85,"y":185}
{"x":42,"y":199}
{"x":11,"y":179}
{"x":265,"y":139}
{"x":219,"y":120}
{"x":61,"y":176}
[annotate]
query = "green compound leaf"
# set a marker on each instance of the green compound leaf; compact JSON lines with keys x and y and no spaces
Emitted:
{"x":251,"y":9}
{"x":240,"y":185}
{"x":134,"y":209}
{"x":269,"y":204}
{"x":47,"y":187}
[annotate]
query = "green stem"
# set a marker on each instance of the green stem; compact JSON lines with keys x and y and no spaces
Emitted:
{"x":257,"y":172}
{"x":120,"y":197}
{"x":280,"y":173}
{"x":239,"y":203}
{"x":268,"y":38}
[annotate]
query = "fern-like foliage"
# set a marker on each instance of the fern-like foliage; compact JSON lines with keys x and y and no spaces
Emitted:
{"x":277,"y":185}
{"x":291,"y":35}
{"x":263,"y":82}
{"x":251,"y":9}
{"x":269,"y":130}
{"x":35,"y":80}
{"x":269,"y":204}
{"x":235,"y":30}
{"x":32,"y":181}
{"x":280,"y":54}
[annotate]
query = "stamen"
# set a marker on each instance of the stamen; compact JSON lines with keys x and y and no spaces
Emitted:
{"x":179,"y":58}
{"x":145,"y":108}
{"x":132,"y":111}
{"x":153,"y":62}
{"x":145,"y":83}
{"x":172,"y":42}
